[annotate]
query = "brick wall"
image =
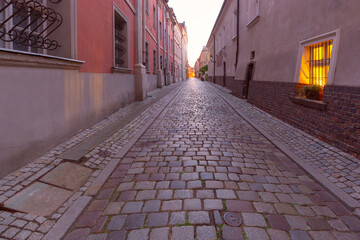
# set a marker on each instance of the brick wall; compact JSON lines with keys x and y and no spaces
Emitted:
{"x":338,"y":125}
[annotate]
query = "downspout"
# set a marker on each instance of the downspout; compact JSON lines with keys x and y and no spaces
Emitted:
{"x":237,"y":33}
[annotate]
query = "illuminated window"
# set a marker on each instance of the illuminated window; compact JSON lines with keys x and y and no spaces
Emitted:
{"x":319,"y":62}
{"x":316,"y":62}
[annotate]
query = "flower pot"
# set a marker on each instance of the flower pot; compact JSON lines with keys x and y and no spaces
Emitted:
{"x":314,"y":95}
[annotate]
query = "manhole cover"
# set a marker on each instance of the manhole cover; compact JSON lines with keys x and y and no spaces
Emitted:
{"x":104,"y":153}
{"x":232,"y":219}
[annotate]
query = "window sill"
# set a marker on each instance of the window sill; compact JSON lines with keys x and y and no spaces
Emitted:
{"x":121,"y":70}
{"x":253,"y":22}
{"x":26,"y":59}
{"x":316,"y":104}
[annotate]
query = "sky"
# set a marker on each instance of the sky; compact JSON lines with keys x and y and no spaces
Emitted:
{"x":199,"y":17}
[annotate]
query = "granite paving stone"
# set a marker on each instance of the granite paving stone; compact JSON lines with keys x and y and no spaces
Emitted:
{"x":116,"y":222}
{"x":206,"y":233}
{"x":197,"y":160}
{"x":157,"y":220}
{"x":200,"y":217}
{"x":159,"y":233}
{"x":181,"y":233}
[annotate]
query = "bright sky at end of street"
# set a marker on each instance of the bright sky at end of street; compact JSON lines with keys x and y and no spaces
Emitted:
{"x":199,"y":17}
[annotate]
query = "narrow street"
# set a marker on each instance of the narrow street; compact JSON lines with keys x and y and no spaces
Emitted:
{"x":198,"y":161}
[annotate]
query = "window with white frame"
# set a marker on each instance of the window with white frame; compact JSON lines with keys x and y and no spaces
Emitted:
{"x":147,"y":65}
{"x":317,"y":59}
{"x":154,"y":61}
{"x":160,"y":29}
{"x":147,"y":7}
{"x":26,"y":22}
{"x":235,"y":23}
{"x":120,"y":40}
{"x":253,"y":12}
{"x":154,"y":16}
{"x":161,"y":62}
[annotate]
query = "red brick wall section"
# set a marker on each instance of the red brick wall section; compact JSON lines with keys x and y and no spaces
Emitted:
{"x":339,"y":125}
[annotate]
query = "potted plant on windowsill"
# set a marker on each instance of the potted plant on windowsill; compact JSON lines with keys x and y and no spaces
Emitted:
{"x":313,"y":92}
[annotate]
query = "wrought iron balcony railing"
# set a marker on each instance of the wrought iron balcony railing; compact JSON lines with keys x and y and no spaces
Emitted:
{"x":29,"y":23}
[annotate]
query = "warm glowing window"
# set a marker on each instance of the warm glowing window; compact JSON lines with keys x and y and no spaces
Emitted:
{"x":319,"y":62}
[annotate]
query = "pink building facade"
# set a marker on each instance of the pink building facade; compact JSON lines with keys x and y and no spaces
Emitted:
{"x":99,"y":56}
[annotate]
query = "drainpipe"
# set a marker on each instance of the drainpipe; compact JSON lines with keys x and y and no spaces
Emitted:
{"x":237,"y":33}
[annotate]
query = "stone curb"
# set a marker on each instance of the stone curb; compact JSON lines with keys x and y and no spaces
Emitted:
{"x":339,"y":194}
{"x":65,"y":222}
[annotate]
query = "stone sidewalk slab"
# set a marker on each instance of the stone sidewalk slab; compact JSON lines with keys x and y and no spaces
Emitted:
{"x":39,"y":199}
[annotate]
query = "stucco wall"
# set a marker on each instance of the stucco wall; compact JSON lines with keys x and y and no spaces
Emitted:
{"x":152,"y":82}
{"x":96,"y":32}
{"x":43,"y":107}
{"x":284,"y":23}
{"x":226,"y":19}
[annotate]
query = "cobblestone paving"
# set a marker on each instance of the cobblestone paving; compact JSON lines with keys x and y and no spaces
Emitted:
{"x":198,"y":161}
{"x":339,"y":167}
{"x":27,"y":226}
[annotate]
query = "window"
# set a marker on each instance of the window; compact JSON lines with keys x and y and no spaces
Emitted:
{"x":160,"y":29}
{"x":154,"y":59}
{"x":161,"y":62}
{"x":2,"y":18}
{"x":27,"y":22}
{"x":235,"y":23}
{"x":147,"y":7}
{"x":317,"y":58}
{"x":154,"y":16}
{"x":120,"y":41}
{"x":253,"y":11}
{"x":147,"y":56}
{"x":319,"y":62}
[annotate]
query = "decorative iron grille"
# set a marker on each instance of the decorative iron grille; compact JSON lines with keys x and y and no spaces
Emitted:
{"x":319,"y":62}
{"x":120,"y":44}
{"x":29,"y":23}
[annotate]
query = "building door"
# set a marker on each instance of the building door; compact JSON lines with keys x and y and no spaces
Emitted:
{"x":248,"y":78}
{"x":224,"y":78}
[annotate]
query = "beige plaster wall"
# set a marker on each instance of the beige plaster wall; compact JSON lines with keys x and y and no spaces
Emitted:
{"x":152,"y":82}
{"x":284,"y":23}
{"x":41,"y":108}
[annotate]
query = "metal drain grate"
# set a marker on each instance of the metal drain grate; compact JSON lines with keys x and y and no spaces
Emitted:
{"x":232,"y":219}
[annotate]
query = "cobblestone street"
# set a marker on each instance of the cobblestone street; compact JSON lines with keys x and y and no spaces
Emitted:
{"x":195,"y":162}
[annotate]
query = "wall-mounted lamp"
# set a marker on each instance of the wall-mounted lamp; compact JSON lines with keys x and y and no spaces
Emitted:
{"x":212,"y":58}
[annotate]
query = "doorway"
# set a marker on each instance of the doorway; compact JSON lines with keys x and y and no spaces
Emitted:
{"x":224,"y":78}
{"x":248,"y":78}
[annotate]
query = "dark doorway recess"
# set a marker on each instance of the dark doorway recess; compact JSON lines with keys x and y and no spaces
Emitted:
{"x":248,"y":77}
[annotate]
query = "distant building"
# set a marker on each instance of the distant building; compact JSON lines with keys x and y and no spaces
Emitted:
{"x":63,"y":73}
